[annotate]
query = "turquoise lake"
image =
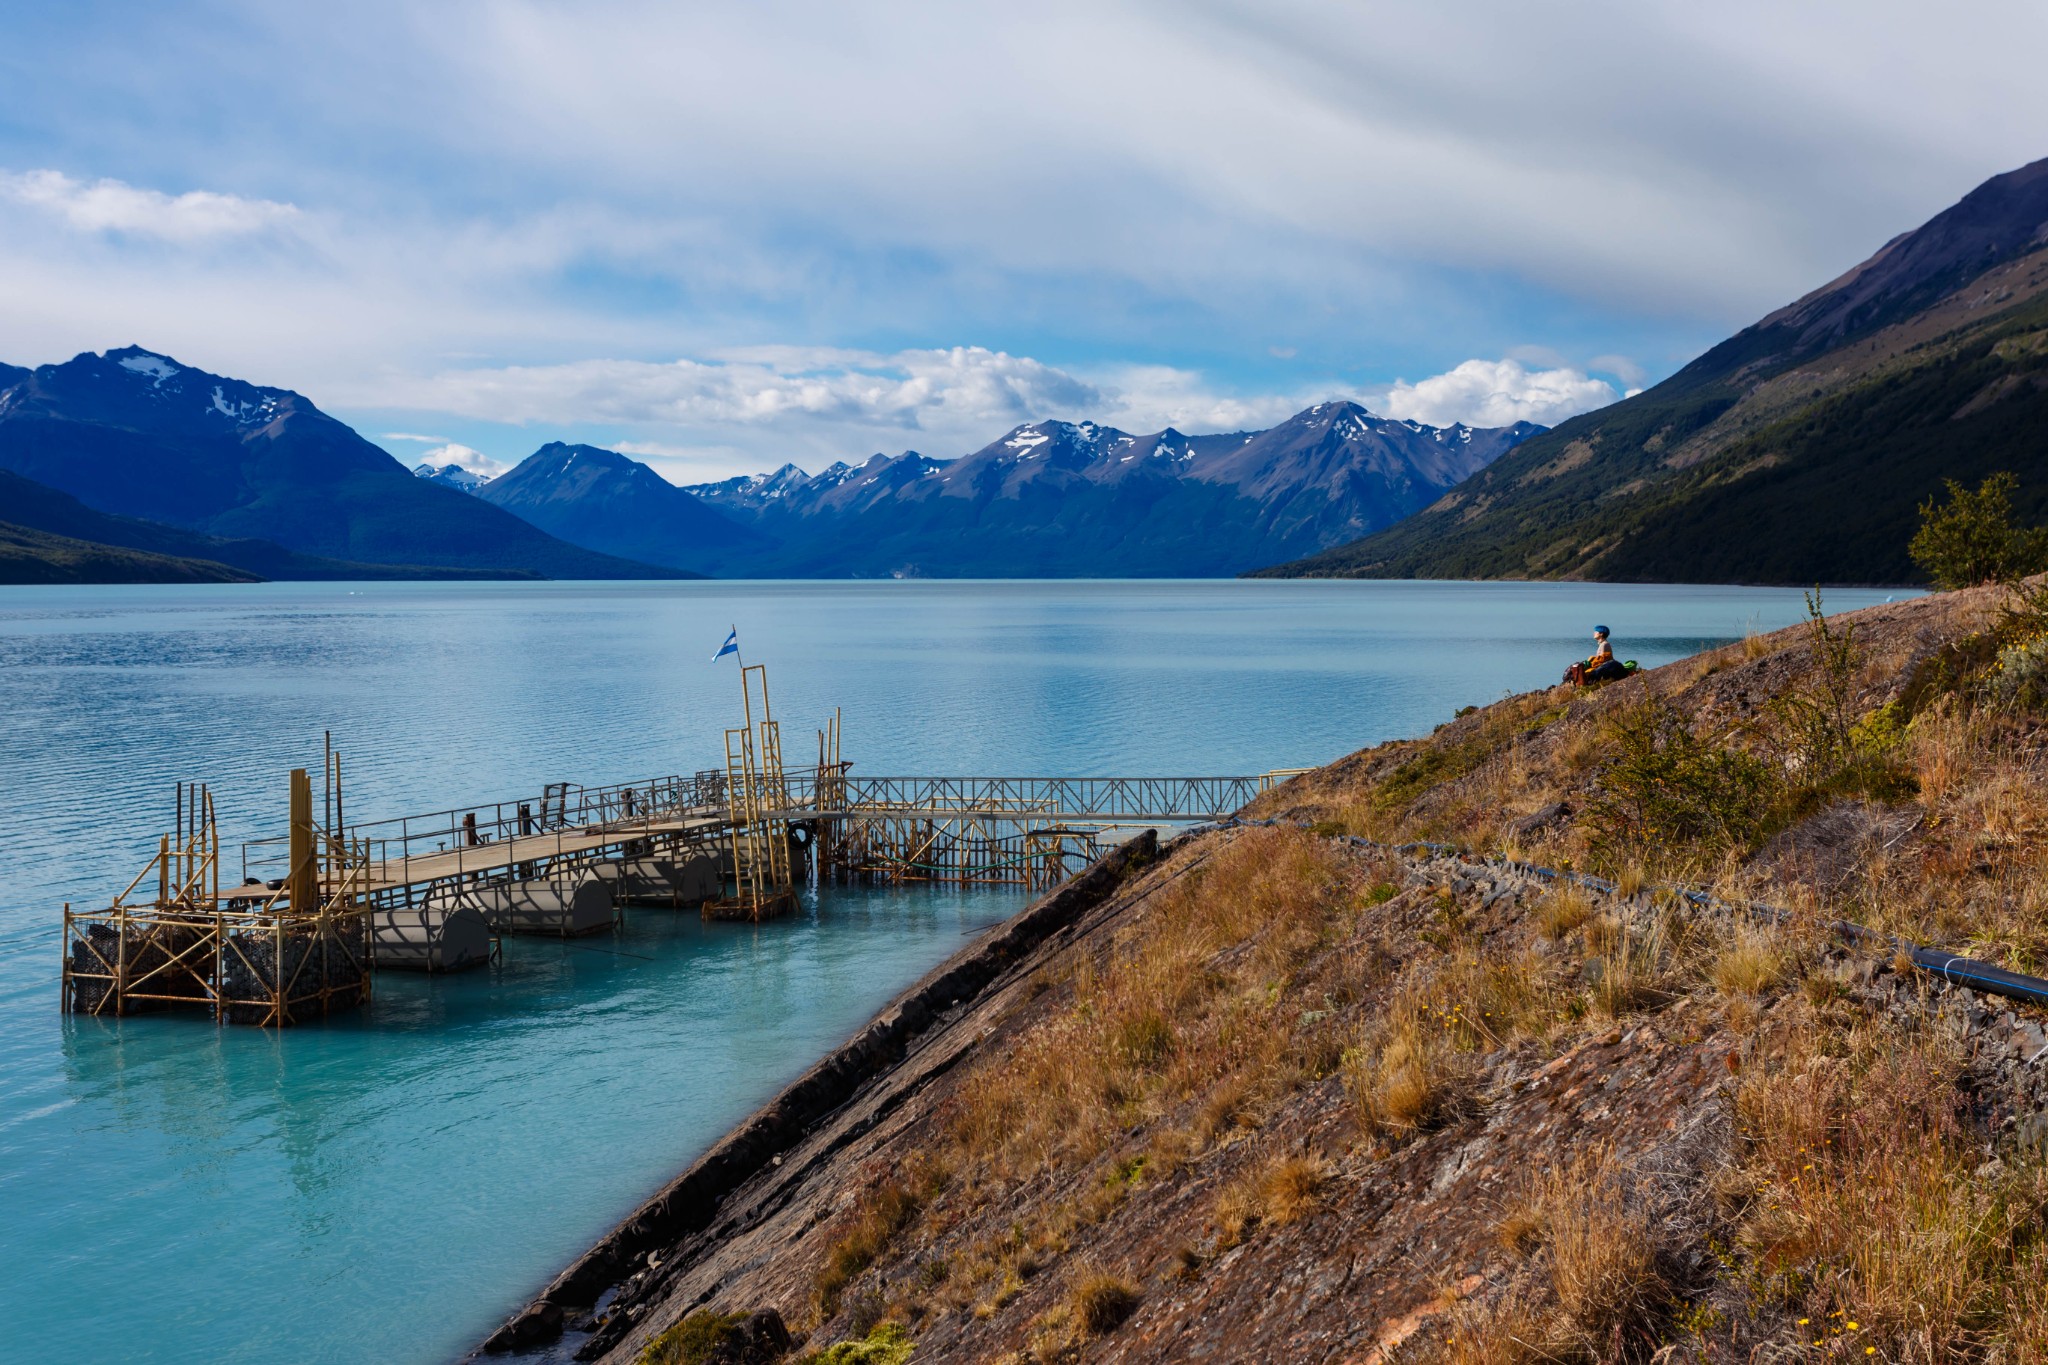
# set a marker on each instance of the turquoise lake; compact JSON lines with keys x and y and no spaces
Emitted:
{"x":388,"y":1186}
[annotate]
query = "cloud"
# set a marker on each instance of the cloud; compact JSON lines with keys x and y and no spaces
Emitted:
{"x":907,"y":391}
{"x":114,"y":206}
{"x":1496,"y":393}
{"x":1148,"y":397}
{"x":1622,"y":368}
{"x":464,"y":457}
{"x":752,"y":408}
{"x":413,"y":436}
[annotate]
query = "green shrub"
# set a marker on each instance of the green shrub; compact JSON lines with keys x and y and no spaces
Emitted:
{"x":2019,"y":677}
{"x":700,"y":1337}
{"x":1971,"y":539}
{"x":1662,"y":785}
{"x":887,"y":1344}
{"x":1828,"y":750}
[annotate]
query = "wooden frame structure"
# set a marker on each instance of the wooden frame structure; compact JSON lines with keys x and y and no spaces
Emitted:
{"x":267,"y":955}
{"x":757,"y":812}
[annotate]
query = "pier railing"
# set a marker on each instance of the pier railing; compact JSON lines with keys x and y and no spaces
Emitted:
{"x":1115,"y":800}
{"x":563,"y":820}
{"x":562,"y":808}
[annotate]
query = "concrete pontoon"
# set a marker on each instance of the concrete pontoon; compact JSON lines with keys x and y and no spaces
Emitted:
{"x":439,"y":937}
{"x":562,"y":907}
{"x":658,"y":881}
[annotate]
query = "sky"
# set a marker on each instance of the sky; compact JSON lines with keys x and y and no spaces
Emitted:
{"x":722,"y":236}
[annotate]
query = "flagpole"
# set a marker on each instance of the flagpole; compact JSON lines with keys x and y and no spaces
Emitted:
{"x":746,"y":694}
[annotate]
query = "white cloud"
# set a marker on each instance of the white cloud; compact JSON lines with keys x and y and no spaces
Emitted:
{"x":1622,"y":368}
{"x":1496,"y":393}
{"x":462,"y":456}
{"x":413,"y":436}
{"x":114,"y":206}
{"x":1148,"y":397}
{"x":749,"y":409}
{"x":908,"y":390}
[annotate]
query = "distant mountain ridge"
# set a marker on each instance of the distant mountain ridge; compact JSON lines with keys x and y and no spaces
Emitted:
{"x":29,"y":556}
{"x":136,"y":434}
{"x":607,"y":501}
{"x":1796,"y":451}
{"x":46,"y":511}
{"x":1063,"y":499}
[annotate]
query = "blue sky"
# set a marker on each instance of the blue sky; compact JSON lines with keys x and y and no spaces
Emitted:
{"x":725,"y":235}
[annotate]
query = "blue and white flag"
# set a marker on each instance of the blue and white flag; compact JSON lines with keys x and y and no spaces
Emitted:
{"x":731,"y":645}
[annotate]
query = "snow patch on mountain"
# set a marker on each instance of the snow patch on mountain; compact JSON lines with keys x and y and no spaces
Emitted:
{"x":154,"y":366}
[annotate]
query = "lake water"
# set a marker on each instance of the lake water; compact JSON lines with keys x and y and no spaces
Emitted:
{"x":388,"y":1186}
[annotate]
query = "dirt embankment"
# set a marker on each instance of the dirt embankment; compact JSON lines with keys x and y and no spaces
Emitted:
{"x":1278,"y":1094}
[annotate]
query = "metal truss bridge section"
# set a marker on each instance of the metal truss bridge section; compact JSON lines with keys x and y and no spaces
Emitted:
{"x":1094,"y":800}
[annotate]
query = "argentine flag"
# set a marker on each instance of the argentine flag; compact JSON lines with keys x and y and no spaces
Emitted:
{"x":731,"y":645}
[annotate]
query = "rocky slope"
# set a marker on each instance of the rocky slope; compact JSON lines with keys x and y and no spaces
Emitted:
{"x":1062,"y":499}
{"x":1794,"y":452}
{"x":1287,"y":1092}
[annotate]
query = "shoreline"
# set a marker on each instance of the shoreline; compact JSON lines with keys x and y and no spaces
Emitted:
{"x":692,"y":1200}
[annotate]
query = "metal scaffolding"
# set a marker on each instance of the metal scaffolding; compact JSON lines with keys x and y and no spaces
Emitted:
{"x":267,"y":954}
{"x":757,"y":813}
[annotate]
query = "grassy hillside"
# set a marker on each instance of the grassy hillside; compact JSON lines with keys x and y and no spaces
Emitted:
{"x":1283,"y":1096}
{"x":1795,"y":452}
{"x":30,"y":556}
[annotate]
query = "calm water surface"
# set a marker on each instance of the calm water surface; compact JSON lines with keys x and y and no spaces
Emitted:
{"x":386,"y":1187}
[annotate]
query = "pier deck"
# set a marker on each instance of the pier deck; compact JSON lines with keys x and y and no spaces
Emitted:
{"x":293,"y":939}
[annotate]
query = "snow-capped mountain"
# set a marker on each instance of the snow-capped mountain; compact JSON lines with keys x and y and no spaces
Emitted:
{"x":137,"y":434}
{"x":453,"y":475}
{"x":1080,"y":499}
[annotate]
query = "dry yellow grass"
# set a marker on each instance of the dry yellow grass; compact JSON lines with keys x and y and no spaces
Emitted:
{"x":1862,"y":1183}
{"x":1563,"y":910}
{"x":1409,"y":1074}
{"x":883,"y":1211}
{"x":1604,"y":1263}
{"x":1754,"y":961}
{"x":1157,"y":1025}
{"x":1100,"y":1301}
{"x":1864,"y":1176}
{"x":1291,"y":1187}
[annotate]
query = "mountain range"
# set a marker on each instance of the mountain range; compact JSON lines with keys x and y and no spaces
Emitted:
{"x":143,"y":456}
{"x":1797,"y":451}
{"x":136,"y":435}
{"x":1061,"y":499}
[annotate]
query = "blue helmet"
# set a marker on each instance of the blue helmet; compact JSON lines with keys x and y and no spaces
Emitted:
{"x":1599,"y":630}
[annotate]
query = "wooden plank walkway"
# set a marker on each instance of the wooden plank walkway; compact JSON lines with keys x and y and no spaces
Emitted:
{"x":499,"y":855}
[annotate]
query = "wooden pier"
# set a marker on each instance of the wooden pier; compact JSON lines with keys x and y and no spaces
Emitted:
{"x":289,"y":937}
{"x":293,"y":933}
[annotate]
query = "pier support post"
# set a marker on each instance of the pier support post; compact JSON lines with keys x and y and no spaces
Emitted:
{"x":305,"y":869}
